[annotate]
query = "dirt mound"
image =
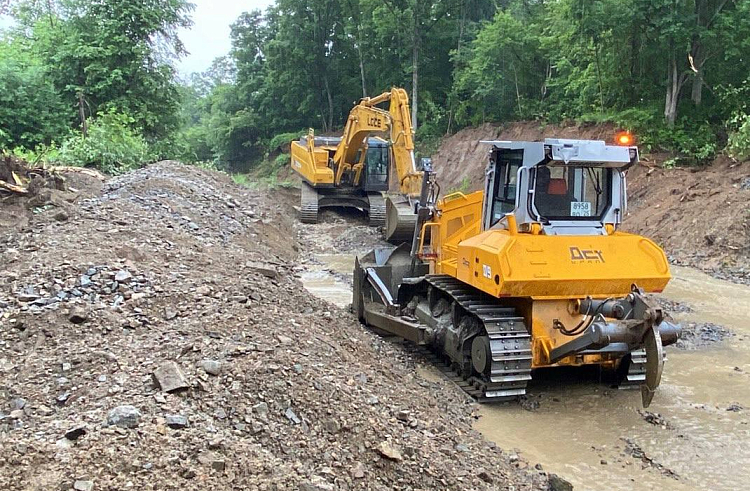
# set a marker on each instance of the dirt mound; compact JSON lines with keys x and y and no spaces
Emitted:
{"x":158,"y":339}
{"x":700,"y":215}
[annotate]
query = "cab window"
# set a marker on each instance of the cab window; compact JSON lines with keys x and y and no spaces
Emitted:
{"x":572,"y":193}
{"x":504,"y":192}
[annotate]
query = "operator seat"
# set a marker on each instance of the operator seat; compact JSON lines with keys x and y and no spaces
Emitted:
{"x":552,"y":198}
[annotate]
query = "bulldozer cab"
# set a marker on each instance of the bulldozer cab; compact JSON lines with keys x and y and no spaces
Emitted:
{"x":557,"y":187}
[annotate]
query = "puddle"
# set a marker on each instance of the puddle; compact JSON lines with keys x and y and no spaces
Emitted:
{"x":326,"y":278}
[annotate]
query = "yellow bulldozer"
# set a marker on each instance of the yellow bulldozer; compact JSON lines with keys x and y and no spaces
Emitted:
{"x":532,"y":272}
{"x":354,"y":170}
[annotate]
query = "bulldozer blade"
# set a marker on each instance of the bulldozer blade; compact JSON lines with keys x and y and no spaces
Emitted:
{"x":654,"y":364}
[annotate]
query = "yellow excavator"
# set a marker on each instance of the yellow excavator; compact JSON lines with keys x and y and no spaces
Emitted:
{"x":532,"y":272}
{"x":354,"y":170}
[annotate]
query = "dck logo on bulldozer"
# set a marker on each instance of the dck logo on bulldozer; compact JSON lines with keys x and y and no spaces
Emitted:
{"x":589,"y":255}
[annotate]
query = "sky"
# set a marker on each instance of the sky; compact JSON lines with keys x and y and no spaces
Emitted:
{"x":209,"y":36}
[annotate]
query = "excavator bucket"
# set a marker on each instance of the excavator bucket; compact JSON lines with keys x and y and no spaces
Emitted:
{"x":399,"y":219}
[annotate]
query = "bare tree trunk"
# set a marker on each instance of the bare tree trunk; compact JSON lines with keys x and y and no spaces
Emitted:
{"x":518,"y":92}
{"x":675,"y":82}
{"x":82,"y":114}
{"x":362,"y":70}
{"x":415,"y":78}
{"x":599,"y":77}
{"x":330,"y":102}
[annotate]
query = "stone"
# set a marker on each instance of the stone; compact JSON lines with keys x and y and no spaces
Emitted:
{"x":203,"y":290}
{"x":358,"y":471}
{"x":124,"y":416}
{"x":176,"y":421}
{"x":211,"y":367}
{"x":76,"y":432}
{"x":389,"y":451}
{"x":85,"y":281}
{"x":83,"y":485}
{"x":17,"y":403}
{"x":485,"y":476}
{"x":402,"y":415}
{"x":61,"y":216}
{"x":62,"y":398}
{"x":292,"y":416}
{"x":557,"y":483}
{"x":170,"y":314}
{"x":218,"y":465}
{"x":331,"y":426}
{"x":261,"y":409}
{"x":16,"y":414}
{"x":27,"y":297}
{"x":122,"y":276}
{"x":284,"y":339}
{"x":460,"y":447}
{"x":170,"y":378}
{"x":267,"y":270}
{"x":78,"y":315}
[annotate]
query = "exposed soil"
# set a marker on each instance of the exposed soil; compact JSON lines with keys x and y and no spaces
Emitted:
{"x":157,"y":338}
{"x":701,"y":216}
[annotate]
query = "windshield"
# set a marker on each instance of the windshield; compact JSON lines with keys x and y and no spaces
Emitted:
{"x":572,"y":193}
{"x":377,"y":165}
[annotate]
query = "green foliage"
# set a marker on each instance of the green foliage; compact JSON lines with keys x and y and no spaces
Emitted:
{"x":105,"y":56}
{"x":31,"y":111}
{"x":739,"y":139}
{"x":282,"y":141}
{"x":110,"y":146}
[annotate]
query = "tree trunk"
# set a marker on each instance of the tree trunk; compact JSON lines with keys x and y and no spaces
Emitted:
{"x":330,"y":102}
{"x":362,"y":73}
{"x":415,"y":77}
{"x":675,"y":82}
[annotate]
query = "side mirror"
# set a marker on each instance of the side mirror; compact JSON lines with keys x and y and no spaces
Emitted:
{"x":425,"y":163}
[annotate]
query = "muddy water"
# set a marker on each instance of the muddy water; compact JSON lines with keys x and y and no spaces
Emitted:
{"x":581,"y":424}
{"x":326,"y":277}
{"x":587,"y":432}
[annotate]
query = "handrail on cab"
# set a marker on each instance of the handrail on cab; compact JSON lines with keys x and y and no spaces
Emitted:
{"x":454,"y":195}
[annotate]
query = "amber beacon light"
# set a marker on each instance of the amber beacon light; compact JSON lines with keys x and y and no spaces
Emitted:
{"x":624,"y":138}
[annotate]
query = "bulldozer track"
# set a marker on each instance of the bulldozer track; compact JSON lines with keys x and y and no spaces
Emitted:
{"x":308,"y":211}
{"x":376,"y":211}
{"x":509,"y":343}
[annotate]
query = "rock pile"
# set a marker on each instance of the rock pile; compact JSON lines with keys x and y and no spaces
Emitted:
{"x":138,"y":351}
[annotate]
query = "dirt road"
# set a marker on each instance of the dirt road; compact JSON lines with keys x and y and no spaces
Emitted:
{"x":693,"y":436}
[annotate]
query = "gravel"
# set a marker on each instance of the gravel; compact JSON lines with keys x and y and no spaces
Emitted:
{"x":302,"y":400}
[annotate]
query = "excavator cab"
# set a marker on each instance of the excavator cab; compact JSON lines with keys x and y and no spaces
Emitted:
{"x":377,"y":165}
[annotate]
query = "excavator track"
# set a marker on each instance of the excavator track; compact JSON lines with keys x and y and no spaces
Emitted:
{"x":308,"y":212}
{"x":376,"y":211}
{"x":503,"y":350}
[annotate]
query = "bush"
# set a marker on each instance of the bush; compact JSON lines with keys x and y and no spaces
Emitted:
{"x":280,"y":141}
{"x":111,"y":145}
{"x":738,"y":146}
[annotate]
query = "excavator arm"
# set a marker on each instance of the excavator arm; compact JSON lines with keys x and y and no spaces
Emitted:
{"x":365,"y":119}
